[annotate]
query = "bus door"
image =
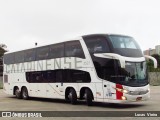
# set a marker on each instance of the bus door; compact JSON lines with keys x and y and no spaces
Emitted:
{"x":110,"y":74}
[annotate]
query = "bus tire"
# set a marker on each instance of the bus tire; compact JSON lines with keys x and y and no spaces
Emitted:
{"x":18,"y":93}
{"x":72,"y":96}
{"x":88,"y":97}
{"x":25,"y":95}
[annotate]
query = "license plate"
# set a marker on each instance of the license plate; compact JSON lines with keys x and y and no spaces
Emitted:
{"x":139,"y":98}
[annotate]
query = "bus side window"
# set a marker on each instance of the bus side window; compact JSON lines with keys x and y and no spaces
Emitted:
{"x":59,"y":75}
{"x":42,"y":53}
{"x":28,"y":76}
{"x":9,"y":58}
{"x":50,"y":76}
{"x":67,"y":74}
{"x":30,"y":55}
{"x":80,"y":76}
{"x":74,"y":49}
{"x":97,"y":44}
{"x":19,"y":57}
{"x":75,"y":76}
{"x":56,"y":51}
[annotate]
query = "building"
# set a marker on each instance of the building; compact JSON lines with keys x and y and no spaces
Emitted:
{"x":146,"y":52}
{"x":157,"y":49}
{"x":152,"y":51}
{"x":1,"y":66}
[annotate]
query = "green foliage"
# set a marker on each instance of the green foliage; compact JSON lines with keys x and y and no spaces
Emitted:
{"x":150,"y":64}
{"x":157,"y":57}
{"x":2,"y":49}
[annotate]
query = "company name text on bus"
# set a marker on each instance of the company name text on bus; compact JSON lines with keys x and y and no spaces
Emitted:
{"x":60,"y":63}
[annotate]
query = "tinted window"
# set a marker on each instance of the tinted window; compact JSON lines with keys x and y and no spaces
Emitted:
{"x":35,"y":77}
{"x":30,"y":55}
{"x":40,"y":76}
{"x":125,"y":46}
{"x":80,"y":76}
{"x":9,"y":58}
{"x":71,"y":76}
{"x":104,"y":67}
{"x":97,"y":44}
{"x":42,"y":53}
{"x":74,"y":49}
{"x":19,"y":57}
{"x":59,"y":75}
{"x":56,"y":51}
{"x":123,"y":42}
{"x":50,"y":76}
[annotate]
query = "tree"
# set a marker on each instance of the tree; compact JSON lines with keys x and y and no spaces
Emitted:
{"x":157,"y":57}
{"x":2,"y":49}
{"x":150,"y":63}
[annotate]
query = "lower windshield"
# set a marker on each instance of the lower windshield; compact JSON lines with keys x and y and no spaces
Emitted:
{"x":134,"y":74}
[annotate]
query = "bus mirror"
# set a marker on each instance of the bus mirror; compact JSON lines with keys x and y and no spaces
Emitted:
{"x":112,"y":56}
{"x":153,"y":59}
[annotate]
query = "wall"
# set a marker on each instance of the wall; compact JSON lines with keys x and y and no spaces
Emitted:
{"x":154,"y":78}
{"x":1,"y":83}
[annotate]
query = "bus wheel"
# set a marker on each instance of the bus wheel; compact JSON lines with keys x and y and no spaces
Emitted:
{"x":88,"y":97}
{"x":18,"y":93}
{"x":25,"y":93}
{"x":72,"y":96}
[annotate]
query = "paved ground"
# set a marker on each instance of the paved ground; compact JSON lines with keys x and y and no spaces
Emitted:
{"x":10,"y":103}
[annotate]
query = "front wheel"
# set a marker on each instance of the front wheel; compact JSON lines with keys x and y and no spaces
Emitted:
{"x":25,"y":93}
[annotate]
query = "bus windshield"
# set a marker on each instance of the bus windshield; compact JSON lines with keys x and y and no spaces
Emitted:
{"x":134,"y":74}
{"x":123,"y":42}
{"x":125,"y":46}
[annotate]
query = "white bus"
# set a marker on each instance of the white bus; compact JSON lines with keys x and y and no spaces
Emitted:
{"x":99,"y":67}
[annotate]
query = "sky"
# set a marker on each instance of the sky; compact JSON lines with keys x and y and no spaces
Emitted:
{"x":25,"y":22}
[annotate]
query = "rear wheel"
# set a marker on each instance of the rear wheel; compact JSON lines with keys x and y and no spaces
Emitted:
{"x":88,"y":97}
{"x":18,"y":93}
{"x":25,"y":93}
{"x":72,"y":96}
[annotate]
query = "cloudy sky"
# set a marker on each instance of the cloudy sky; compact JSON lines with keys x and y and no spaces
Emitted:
{"x":24,"y":22}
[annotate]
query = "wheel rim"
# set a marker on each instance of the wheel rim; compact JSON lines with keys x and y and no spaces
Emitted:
{"x":70,"y":96}
{"x":24,"y":93}
{"x":85,"y":96}
{"x":17,"y":92}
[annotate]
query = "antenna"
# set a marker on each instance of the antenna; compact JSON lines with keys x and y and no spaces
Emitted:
{"x":36,"y":44}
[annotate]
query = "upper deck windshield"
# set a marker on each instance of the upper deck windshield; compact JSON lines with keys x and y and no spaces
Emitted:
{"x":125,"y":46}
{"x":123,"y":42}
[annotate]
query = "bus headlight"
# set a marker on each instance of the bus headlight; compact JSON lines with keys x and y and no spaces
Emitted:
{"x":122,"y":90}
{"x":123,"y":98}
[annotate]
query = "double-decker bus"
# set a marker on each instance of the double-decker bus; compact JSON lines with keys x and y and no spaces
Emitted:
{"x":98,"y":67}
